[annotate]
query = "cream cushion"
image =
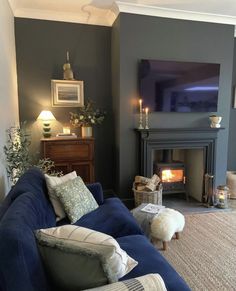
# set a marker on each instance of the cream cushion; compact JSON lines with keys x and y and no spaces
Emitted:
{"x":52,"y":182}
{"x":83,"y":247}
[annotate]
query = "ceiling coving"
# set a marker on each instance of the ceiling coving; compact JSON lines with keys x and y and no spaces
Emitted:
{"x":104,"y":12}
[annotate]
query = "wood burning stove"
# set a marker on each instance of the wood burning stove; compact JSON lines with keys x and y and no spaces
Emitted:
{"x":172,"y":176}
{"x":172,"y":173}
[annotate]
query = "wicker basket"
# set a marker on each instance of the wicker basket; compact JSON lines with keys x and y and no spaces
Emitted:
{"x":154,"y":197}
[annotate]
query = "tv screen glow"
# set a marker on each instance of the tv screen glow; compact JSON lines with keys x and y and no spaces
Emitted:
{"x":170,"y":86}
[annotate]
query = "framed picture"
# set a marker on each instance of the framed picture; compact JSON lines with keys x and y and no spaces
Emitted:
{"x":67,"y":93}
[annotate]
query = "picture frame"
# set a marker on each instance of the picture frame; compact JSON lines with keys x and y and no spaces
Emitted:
{"x":67,"y":93}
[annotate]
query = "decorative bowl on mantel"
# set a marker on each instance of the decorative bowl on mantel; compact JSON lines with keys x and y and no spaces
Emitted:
{"x":215,"y":121}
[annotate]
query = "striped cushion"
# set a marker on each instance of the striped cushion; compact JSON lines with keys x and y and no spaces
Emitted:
{"x":144,"y":283}
{"x":83,"y":242}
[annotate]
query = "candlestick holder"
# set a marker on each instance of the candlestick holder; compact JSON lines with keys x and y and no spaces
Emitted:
{"x":140,"y":121}
{"x":146,"y":122}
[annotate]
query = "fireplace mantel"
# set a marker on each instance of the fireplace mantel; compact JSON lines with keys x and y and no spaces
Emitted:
{"x":177,"y":138}
{"x":179,"y":130}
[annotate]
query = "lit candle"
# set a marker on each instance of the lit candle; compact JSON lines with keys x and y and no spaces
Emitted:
{"x":146,"y":113}
{"x":66,"y":130}
{"x":221,"y":198}
{"x":140,"y":114}
{"x":140,"y":105}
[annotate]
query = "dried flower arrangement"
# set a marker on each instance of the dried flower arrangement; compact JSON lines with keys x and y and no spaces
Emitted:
{"x":87,"y":115}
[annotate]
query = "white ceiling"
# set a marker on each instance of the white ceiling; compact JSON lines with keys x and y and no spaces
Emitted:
{"x":104,"y":12}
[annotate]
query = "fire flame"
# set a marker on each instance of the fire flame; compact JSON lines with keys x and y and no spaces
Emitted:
{"x":172,"y":175}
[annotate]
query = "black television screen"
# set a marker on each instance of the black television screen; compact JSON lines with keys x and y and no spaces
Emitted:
{"x":169,"y":86}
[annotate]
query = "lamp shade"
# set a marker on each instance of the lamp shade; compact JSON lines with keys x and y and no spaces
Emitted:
{"x":46,"y":115}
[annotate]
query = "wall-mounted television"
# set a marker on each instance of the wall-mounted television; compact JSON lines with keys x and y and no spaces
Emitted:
{"x":170,"y":86}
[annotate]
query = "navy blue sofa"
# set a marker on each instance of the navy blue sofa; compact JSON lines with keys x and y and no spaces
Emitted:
{"x":27,"y":208}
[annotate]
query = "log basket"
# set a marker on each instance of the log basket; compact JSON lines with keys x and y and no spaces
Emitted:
{"x":154,"y":197}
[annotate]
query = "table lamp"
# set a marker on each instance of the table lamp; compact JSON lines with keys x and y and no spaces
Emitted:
{"x":46,"y":116}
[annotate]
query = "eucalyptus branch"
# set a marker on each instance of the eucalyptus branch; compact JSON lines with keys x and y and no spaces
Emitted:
{"x":18,"y":157}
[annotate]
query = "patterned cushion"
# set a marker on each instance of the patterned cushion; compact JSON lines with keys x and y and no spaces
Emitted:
{"x":76,"y":198}
{"x":144,"y":283}
{"x":79,"y":258}
{"x":53,"y":181}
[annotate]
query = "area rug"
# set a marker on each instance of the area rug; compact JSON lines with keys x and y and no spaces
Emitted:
{"x":205,"y":255}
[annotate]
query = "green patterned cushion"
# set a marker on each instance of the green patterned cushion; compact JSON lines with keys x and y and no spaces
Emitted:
{"x":76,"y":198}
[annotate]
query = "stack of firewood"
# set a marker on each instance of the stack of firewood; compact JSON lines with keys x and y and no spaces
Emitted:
{"x":146,"y":184}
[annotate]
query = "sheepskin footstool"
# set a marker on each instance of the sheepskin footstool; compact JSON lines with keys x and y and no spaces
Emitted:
{"x":166,"y":224}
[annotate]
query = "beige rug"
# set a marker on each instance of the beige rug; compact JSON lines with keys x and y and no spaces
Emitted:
{"x":205,"y":255}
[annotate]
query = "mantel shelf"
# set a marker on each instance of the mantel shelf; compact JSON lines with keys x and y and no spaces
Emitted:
{"x":180,"y":129}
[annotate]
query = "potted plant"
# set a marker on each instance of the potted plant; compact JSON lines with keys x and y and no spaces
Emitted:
{"x":86,"y":117}
{"x":16,"y":152}
{"x":18,"y":157}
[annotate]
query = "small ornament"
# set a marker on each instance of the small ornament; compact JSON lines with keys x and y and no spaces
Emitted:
{"x":68,"y":73}
{"x":215,"y":121}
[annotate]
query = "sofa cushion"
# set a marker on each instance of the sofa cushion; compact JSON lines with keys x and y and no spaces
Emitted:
{"x":53,"y":181}
{"x":143,"y":283}
{"x":150,"y":261}
{"x":77,"y":257}
{"x":96,"y":190}
{"x":76,"y":198}
{"x":112,"y":218}
{"x":20,"y":262}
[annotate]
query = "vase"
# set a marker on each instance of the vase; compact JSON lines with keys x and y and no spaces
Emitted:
{"x":87,"y":131}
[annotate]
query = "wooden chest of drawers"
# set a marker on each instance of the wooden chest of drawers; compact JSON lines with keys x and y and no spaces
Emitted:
{"x":71,"y":155}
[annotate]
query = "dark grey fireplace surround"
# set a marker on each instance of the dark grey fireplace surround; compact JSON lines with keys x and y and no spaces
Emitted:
{"x":178,"y":138}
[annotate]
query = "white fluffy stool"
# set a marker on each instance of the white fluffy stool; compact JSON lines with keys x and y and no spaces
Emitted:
{"x":166,"y":224}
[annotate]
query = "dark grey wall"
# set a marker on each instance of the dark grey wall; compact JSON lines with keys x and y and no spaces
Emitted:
{"x":145,"y":37}
{"x":41,"y":49}
{"x":115,"y":64}
{"x":232,"y":124}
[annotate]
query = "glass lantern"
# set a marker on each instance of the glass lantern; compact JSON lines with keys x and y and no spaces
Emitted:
{"x":222,"y":196}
